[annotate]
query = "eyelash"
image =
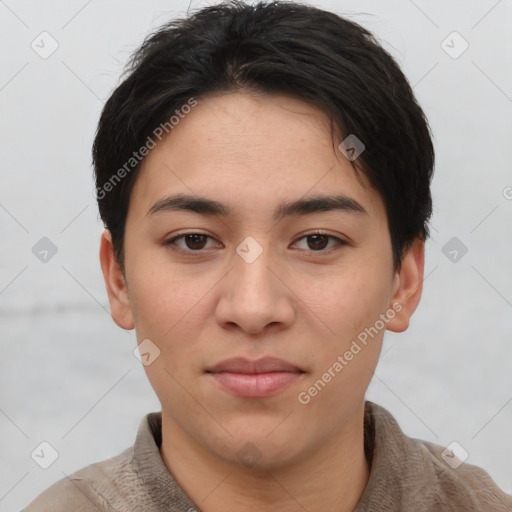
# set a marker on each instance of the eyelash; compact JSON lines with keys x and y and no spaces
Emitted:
{"x":172,"y":242}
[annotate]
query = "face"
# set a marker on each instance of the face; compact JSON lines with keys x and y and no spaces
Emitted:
{"x":254,"y":279}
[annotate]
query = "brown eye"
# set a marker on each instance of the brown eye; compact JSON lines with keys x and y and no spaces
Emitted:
{"x":193,"y":242}
{"x":317,"y":242}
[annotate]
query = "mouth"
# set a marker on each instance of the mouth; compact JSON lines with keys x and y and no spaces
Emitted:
{"x":255,"y":379}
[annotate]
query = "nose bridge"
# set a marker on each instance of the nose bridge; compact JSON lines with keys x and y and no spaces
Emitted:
{"x":252,"y":274}
{"x":253,"y":297}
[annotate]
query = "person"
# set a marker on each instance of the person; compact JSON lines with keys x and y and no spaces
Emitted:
{"x":263,"y":173}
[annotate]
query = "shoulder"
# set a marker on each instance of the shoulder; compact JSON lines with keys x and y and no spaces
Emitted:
{"x":413,"y":474}
{"x":66,"y":494}
{"x":88,"y":489}
{"x":456,"y":480}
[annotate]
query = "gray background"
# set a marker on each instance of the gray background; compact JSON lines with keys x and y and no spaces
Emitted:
{"x":67,"y":372}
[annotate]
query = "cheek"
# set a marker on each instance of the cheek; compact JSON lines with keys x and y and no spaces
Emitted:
{"x":348,"y":302}
{"x":171,"y":310}
{"x":163,"y":298}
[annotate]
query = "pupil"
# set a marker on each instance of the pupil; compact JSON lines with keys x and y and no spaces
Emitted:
{"x":194,"y":239}
{"x":317,"y":237}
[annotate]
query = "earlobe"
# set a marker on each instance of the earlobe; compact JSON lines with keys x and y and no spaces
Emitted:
{"x":115,"y":283}
{"x":407,"y":286}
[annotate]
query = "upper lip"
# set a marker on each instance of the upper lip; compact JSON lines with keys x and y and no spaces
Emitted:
{"x":263,"y":365}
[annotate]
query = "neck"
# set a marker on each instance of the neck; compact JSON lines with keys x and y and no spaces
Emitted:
{"x":330,"y":479}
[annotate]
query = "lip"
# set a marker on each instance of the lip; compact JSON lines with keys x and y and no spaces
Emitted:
{"x":263,"y":365}
{"x":255,"y":379}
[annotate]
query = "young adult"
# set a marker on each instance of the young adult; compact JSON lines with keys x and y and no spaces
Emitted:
{"x":263,"y":173}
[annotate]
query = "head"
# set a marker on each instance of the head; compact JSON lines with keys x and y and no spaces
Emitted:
{"x":263,"y":173}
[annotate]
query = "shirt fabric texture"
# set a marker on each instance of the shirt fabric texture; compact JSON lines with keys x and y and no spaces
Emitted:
{"x":406,"y":474}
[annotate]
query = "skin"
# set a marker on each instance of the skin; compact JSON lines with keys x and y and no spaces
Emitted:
{"x":306,"y":306}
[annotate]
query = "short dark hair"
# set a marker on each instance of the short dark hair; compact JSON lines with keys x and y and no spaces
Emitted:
{"x":272,"y":47}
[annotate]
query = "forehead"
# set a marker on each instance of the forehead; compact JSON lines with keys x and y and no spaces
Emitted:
{"x":248,"y":149}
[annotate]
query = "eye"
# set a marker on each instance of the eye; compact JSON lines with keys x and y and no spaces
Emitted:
{"x":197,"y":242}
{"x":317,"y":242}
{"x":194,"y":242}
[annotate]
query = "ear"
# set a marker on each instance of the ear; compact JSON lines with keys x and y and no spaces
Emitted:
{"x":116,"y":284}
{"x":407,"y":286}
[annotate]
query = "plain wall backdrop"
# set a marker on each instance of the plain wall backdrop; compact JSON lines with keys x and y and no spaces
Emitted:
{"x":68,"y":375}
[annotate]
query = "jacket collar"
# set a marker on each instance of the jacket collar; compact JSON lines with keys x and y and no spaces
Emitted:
{"x":405,"y":473}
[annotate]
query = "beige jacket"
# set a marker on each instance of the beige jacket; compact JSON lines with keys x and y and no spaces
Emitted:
{"x":406,"y":475}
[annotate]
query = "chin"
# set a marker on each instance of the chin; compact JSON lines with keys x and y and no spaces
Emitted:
{"x":254,"y":447}
{"x":258,"y":456}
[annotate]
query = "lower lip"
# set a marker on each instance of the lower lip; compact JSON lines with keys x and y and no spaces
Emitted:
{"x":257,"y":384}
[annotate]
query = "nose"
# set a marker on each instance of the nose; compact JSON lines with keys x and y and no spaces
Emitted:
{"x":255,"y":295}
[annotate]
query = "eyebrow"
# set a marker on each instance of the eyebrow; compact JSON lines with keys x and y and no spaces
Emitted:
{"x":304,"y":206}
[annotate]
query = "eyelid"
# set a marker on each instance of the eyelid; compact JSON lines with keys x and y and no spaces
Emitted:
{"x":339,"y":241}
{"x":171,"y":242}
